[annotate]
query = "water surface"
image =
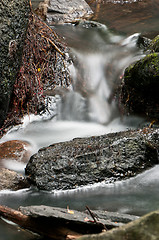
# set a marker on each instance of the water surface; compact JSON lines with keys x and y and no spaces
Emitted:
{"x":129,"y":16}
{"x":138,"y":195}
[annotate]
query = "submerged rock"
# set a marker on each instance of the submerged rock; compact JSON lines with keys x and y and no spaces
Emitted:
{"x":91,"y":160}
{"x":145,"y":228}
{"x":16,"y":150}
{"x":12,"y":180}
{"x":128,"y":16}
{"x":140,"y":87}
{"x":15,"y":154}
{"x":13,"y":25}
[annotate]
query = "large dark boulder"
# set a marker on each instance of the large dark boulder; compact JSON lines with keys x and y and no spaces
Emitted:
{"x":85,"y":161}
{"x":140,"y":86}
{"x":13,"y":25}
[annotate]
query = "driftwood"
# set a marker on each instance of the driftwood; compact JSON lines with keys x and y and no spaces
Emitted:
{"x":60,"y":223}
{"x":37,"y":225}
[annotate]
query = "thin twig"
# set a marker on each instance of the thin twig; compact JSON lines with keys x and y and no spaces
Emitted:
{"x":30,"y":4}
{"x":47,"y":26}
{"x":57,"y":49}
{"x":92,"y":214}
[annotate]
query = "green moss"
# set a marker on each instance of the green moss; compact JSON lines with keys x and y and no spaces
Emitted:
{"x":144,"y":69}
{"x":154,"y":46}
{"x":141,"y":84}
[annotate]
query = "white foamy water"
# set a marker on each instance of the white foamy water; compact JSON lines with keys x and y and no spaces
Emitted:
{"x":14,"y":165}
{"x":41,"y":133}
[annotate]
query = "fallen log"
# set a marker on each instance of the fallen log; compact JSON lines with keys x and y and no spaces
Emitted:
{"x":54,"y":223}
{"x":13,"y":215}
{"x":60,"y":223}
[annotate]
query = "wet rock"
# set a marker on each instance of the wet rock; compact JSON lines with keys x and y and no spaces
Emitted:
{"x":85,"y":161}
{"x":16,"y":150}
{"x":12,"y":180}
{"x":13,"y":25}
{"x":145,"y":228}
{"x":62,"y":11}
{"x":62,"y":91}
{"x":143,"y":42}
{"x":92,"y":24}
{"x":140,"y":86}
{"x":15,"y":154}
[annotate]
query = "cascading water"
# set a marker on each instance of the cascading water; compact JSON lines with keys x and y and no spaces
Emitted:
{"x":89,"y":101}
{"x":96,"y":72}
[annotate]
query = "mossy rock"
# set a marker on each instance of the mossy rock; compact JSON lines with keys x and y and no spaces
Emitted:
{"x":154,"y":45}
{"x":140,"y":87}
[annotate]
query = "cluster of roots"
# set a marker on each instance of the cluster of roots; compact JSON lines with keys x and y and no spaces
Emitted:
{"x":43,"y":66}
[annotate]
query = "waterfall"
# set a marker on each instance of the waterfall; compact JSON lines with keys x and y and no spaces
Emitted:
{"x":95,"y":76}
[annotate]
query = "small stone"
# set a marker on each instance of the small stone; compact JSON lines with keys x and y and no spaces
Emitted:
{"x":12,"y":180}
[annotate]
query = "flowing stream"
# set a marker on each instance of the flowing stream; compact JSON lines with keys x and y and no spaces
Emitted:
{"x":100,"y":57}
